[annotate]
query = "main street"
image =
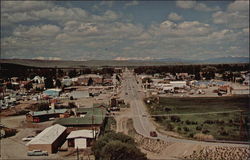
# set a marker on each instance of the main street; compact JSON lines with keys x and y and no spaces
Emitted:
{"x":133,"y":94}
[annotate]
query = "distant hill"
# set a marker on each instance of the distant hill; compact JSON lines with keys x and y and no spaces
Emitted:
{"x":227,"y":60}
{"x":119,"y":63}
{"x":79,"y":64}
{"x":207,"y":61}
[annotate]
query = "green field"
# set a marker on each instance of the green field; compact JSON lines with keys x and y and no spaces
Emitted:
{"x":190,"y":116}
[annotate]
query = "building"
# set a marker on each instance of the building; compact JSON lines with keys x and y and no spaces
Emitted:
{"x":178,"y":84}
{"x":81,"y":139}
{"x":54,"y":92}
{"x":87,"y":118}
{"x":90,"y":79}
{"x":38,"y":79}
{"x":41,"y":116}
{"x":79,"y":94}
{"x":49,"y":139}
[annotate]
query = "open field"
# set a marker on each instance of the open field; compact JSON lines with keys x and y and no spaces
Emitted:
{"x":219,"y":117}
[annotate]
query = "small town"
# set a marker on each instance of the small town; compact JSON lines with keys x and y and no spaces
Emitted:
{"x":64,"y":116}
{"x":124,"y":80}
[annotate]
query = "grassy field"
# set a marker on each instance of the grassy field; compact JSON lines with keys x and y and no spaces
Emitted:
{"x":192,"y":116}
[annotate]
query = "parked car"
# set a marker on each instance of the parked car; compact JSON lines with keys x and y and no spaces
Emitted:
{"x":153,"y":134}
{"x":29,"y":138}
{"x":37,"y":153}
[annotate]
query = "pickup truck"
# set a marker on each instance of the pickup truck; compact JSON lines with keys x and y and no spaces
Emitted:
{"x":29,"y":138}
{"x":37,"y":153}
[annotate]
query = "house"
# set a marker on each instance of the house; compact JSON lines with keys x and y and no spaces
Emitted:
{"x":49,"y":139}
{"x":41,"y":116}
{"x":54,"y":92}
{"x":81,"y":139}
{"x":87,"y":118}
{"x":67,"y":82}
{"x":38,"y":79}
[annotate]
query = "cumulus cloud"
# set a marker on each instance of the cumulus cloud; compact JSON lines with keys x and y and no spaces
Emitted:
{"x":239,"y":5}
{"x":36,"y":31}
{"x":132,"y":3}
{"x":189,"y":4}
{"x":20,"y":6}
{"x":186,"y":28}
{"x":174,"y":17}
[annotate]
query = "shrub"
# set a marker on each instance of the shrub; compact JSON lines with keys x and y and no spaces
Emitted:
{"x":175,"y":118}
{"x":188,"y":122}
{"x":169,"y":127}
{"x":179,"y":128}
{"x":116,"y":146}
{"x":186,"y":129}
{"x":191,"y":135}
{"x":205,"y":131}
{"x":198,"y":128}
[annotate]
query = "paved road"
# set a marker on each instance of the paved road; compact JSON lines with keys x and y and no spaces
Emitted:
{"x":142,"y":123}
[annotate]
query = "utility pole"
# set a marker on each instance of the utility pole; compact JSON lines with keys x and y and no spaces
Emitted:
{"x":77,"y":153}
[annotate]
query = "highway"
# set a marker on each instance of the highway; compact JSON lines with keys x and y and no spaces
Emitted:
{"x":142,"y":124}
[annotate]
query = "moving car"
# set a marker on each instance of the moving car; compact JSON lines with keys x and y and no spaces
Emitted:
{"x":153,"y":134}
{"x":29,"y":138}
{"x":37,"y":153}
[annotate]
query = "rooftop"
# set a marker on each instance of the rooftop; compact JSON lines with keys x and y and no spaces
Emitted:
{"x":48,"y":135}
{"x":51,"y":111}
{"x":82,"y":133}
{"x":92,"y":116}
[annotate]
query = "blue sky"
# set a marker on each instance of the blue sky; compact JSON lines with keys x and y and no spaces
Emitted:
{"x":124,"y":30}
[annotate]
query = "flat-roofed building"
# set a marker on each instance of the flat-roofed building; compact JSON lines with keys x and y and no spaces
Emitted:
{"x":81,"y":138}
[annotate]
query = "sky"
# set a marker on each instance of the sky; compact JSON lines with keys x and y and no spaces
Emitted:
{"x":124,"y":30}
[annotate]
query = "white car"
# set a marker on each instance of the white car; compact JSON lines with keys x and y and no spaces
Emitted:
{"x":29,"y":138}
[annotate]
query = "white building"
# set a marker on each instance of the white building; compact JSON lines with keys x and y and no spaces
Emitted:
{"x":178,"y":84}
{"x":81,"y":138}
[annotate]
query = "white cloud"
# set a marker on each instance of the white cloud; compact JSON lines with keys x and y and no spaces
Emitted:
{"x":187,"y":4}
{"x":190,"y":4}
{"x":186,"y":28}
{"x":203,"y":7}
{"x":174,"y":17}
{"x":231,"y":19}
{"x":20,"y":6}
{"x":132,"y":3}
{"x":235,"y":16}
{"x":239,"y":5}
{"x":36,"y":31}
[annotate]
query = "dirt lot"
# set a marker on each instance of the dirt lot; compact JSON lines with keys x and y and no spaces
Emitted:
{"x":15,"y":142}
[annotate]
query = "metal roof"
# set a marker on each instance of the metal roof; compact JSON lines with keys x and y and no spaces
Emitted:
{"x":51,"y":111}
{"x":92,"y":116}
{"x":82,"y":134}
{"x":48,"y":135}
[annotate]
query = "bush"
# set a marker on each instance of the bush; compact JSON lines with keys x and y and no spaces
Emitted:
{"x":179,"y":128}
{"x":175,"y":118}
{"x":117,"y":146}
{"x":169,"y":127}
{"x":191,"y":135}
{"x":198,"y":128}
{"x":205,"y":131}
{"x":186,"y":129}
{"x":188,"y":122}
